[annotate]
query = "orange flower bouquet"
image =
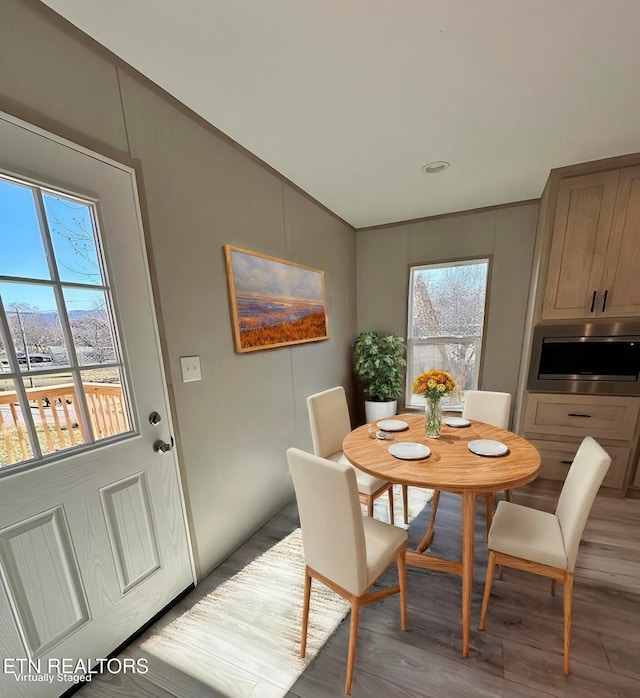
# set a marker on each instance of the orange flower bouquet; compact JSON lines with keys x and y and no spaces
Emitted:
{"x":434,"y":385}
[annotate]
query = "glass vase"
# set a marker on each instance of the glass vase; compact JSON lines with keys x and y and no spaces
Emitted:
{"x":432,"y":418}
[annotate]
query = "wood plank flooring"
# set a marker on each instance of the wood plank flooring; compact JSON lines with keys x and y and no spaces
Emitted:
{"x":519,"y":654}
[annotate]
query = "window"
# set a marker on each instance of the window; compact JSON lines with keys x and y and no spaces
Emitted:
{"x":446,"y":320}
{"x":61,"y":376}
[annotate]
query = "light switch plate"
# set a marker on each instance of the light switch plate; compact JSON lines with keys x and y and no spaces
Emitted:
{"x":190,"y":368}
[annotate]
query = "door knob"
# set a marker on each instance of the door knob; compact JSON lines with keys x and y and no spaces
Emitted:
{"x":162,"y":446}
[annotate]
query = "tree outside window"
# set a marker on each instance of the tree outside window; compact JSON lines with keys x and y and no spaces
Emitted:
{"x":445,"y":324}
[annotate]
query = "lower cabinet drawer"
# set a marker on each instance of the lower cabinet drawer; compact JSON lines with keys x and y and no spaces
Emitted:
{"x":603,"y":417}
{"x":557,"y":457}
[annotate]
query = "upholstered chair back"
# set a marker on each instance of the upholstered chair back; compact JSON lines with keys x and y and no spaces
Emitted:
{"x":329,"y":419}
{"x":330,"y":519}
{"x":487,"y":406}
{"x":581,"y":485}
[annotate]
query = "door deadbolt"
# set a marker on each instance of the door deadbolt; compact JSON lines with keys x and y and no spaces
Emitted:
{"x":154,"y":418}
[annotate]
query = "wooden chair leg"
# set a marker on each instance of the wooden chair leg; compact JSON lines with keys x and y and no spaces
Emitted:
{"x":491,"y":565}
{"x":402,"y":581}
{"x":507,"y":495}
{"x":405,"y":503}
{"x":305,"y":611}
{"x":489,"y":501}
{"x":434,"y":508}
{"x":392,"y":517}
{"x":353,"y":638}
{"x":370,"y":506}
{"x":553,"y":587}
{"x":567,"y":586}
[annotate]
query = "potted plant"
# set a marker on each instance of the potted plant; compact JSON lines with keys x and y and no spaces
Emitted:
{"x":378,"y":360}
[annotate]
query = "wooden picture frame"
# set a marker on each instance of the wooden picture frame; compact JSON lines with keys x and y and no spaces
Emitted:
{"x":274,"y":303}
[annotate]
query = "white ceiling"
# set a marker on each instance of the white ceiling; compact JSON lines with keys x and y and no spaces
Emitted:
{"x":350,"y":98}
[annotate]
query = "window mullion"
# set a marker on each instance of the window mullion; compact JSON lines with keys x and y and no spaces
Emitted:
{"x":423,"y":341}
{"x":47,"y":282}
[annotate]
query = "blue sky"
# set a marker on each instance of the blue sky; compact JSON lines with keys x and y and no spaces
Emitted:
{"x":22,"y":252}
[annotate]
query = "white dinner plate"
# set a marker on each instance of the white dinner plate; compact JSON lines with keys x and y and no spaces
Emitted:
{"x":408,"y":450}
{"x":456,"y":422}
{"x":392,"y":425}
{"x":487,"y":447}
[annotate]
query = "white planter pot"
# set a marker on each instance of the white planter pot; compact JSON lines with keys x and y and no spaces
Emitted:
{"x":375,"y":411}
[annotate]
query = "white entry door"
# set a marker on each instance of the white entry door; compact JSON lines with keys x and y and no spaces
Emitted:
{"x":93,"y":540}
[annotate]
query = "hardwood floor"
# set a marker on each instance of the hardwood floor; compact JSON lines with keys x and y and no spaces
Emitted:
{"x":519,"y":653}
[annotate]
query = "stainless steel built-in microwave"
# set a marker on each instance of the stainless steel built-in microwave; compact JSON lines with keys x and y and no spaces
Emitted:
{"x":591,"y":357}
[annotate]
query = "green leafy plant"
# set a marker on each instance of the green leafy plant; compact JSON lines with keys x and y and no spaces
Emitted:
{"x":378,"y":360}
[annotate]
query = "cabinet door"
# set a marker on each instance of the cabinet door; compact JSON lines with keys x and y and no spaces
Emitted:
{"x":581,"y":228}
{"x":620,"y":279}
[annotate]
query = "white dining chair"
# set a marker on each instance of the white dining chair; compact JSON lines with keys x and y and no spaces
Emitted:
{"x":343,"y":549}
{"x":547,"y":544}
{"x":330,"y":423}
{"x":490,"y":407}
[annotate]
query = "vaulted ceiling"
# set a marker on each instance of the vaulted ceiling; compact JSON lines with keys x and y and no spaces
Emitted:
{"x":350,"y":99}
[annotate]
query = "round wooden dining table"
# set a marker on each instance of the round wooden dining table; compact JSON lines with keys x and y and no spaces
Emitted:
{"x":450,"y":467}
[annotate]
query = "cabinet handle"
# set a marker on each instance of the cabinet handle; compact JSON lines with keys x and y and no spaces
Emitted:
{"x":604,"y":300}
{"x":593,"y":301}
{"x":577,"y":414}
{"x":566,"y":462}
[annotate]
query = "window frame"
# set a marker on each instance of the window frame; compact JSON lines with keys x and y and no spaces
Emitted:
{"x":411,"y":342}
{"x":14,"y":372}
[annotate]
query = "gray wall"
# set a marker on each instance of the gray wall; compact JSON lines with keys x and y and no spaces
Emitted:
{"x":506,"y":234}
{"x":199,"y":191}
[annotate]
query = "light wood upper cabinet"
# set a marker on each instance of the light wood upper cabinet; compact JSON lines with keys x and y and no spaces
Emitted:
{"x":581,"y":229}
{"x":595,"y":247}
{"x":620,"y":278}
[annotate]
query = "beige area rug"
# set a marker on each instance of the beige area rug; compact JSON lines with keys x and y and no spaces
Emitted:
{"x":250,"y":626}
{"x":243,"y":638}
{"x":417,"y":497}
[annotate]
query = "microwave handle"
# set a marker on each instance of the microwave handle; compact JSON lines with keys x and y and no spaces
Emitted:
{"x":593,"y":301}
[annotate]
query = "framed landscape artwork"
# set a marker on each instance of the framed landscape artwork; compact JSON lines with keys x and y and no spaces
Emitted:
{"x":273,"y":303}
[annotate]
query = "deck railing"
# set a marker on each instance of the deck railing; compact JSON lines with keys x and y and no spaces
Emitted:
{"x":58,"y":419}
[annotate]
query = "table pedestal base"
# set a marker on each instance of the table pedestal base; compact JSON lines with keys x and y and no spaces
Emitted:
{"x":462,"y":569}
{"x":431,"y":562}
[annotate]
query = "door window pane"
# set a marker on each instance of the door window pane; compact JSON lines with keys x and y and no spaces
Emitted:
{"x":91,"y":326}
{"x":54,"y":408}
{"x":21,"y":248}
{"x":107,"y":408}
{"x":74,"y":240}
{"x":14,"y":438}
{"x":34,"y":325}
